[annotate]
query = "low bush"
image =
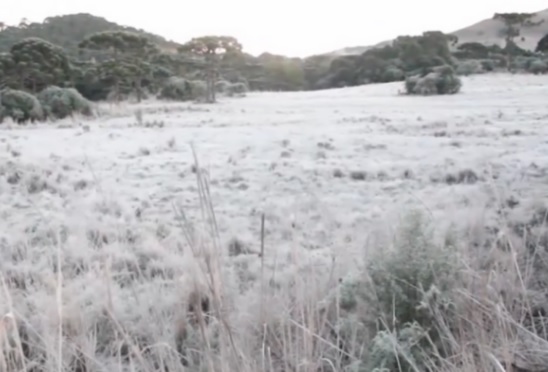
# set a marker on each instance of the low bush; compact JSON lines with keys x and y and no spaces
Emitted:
{"x":236,"y":89}
{"x":434,"y":81}
{"x":198,"y":89}
{"x":20,"y":106}
{"x":59,"y":103}
{"x":221,"y":86}
{"x":231,"y":89}
{"x":407,"y":289}
{"x":180,"y":89}
{"x":469,"y":67}
{"x":538,"y":66}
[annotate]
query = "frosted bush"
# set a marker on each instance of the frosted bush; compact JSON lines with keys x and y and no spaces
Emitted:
{"x":20,"y":106}
{"x":405,"y":288}
{"x":393,"y":73}
{"x":198,"y":89}
{"x":437,"y":80}
{"x":469,"y":67}
{"x":59,"y":103}
{"x":229,"y":89}
{"x":180,"y":89}
{"x":522,"y":64}
{"x":177,"y":89}
{"x":221,"y":86}
{"x":538,"y":66}
{"x":236,"y":89}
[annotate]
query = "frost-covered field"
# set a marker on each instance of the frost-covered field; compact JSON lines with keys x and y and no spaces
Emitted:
{"x":329,"y":169}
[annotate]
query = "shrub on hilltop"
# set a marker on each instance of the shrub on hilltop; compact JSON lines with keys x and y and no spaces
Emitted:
{"x":434,"y":81}
{"x":20,"y":106}
{"x":59,"y":103}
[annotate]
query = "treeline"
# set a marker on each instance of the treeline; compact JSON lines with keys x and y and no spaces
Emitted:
{"x":120,"y":62}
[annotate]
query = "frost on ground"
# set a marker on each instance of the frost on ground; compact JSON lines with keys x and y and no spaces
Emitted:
{"x":331,"y":170}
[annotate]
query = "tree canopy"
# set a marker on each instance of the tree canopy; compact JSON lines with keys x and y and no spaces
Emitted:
{"x":211,"y":49}
{"x":38,"y":63}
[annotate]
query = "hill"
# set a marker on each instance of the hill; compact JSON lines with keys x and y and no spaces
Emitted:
{"x":68,"y":30}
{"x":488,"y":32}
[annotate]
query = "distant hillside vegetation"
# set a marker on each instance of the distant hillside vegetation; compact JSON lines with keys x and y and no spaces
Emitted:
{"x":68,"y":30}
{"x":487,"y":32}
{"x":491,"y":32}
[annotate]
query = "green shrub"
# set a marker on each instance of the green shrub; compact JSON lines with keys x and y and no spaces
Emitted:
{"x":469,"y":67}
{"x":221,"y":86}
{"x":538,"y":66}
{"x":489,"y":65}
{"x":393,"y":73}
{"x":236,"y":89}
{"x":20,"y":106}
{"x":198,"y":89}
{"x":180,"y":89}
{"x":406,"y":289}
{"x":177,"y":89}
{"x":59,"y":103}
{"x":437,"y":80}
{"x":533,"y":65}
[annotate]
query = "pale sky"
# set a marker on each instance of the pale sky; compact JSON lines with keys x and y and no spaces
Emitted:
{"x":296,"y":28}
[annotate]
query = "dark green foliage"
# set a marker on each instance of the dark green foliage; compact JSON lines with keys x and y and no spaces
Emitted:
{"x":90,"y":81}
{"x":211,"y":50}
{"x":280,"y":70}
{"x":513,"y":23}
{"x":469,"y":67}
{"x":314,"y":69}
{"x":126,"y":64}
{"x":7,"y":71}
{"x":20,"y":106}
{"x":102,"y":59}
{"x":59,"y":103}
{"x":406,"y":55}
{"x":38,"y":63}
{"x":538,"y":67}
{"x":221,"y":86}
{"x":533,"y":65}
{"x":179,"y":89}
{"x":542,"y":45}
{"x":472,"y":50}
{"x":68,"y":30}
{"x":406,"y":289}
{"x":488,"y":65}
{"x":236,"y":89}
{"x":434,"y":81}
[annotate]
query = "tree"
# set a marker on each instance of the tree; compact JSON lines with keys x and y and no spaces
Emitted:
{"x":127,"y":58}
{"x":38,"y":63}
{"x":7,"y":71}
{"x":3,"y":26}
{"x":211,"y":49}
{"x":514,"y":22}
{"x":24,"y":23}
{"x":542,"y":46}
